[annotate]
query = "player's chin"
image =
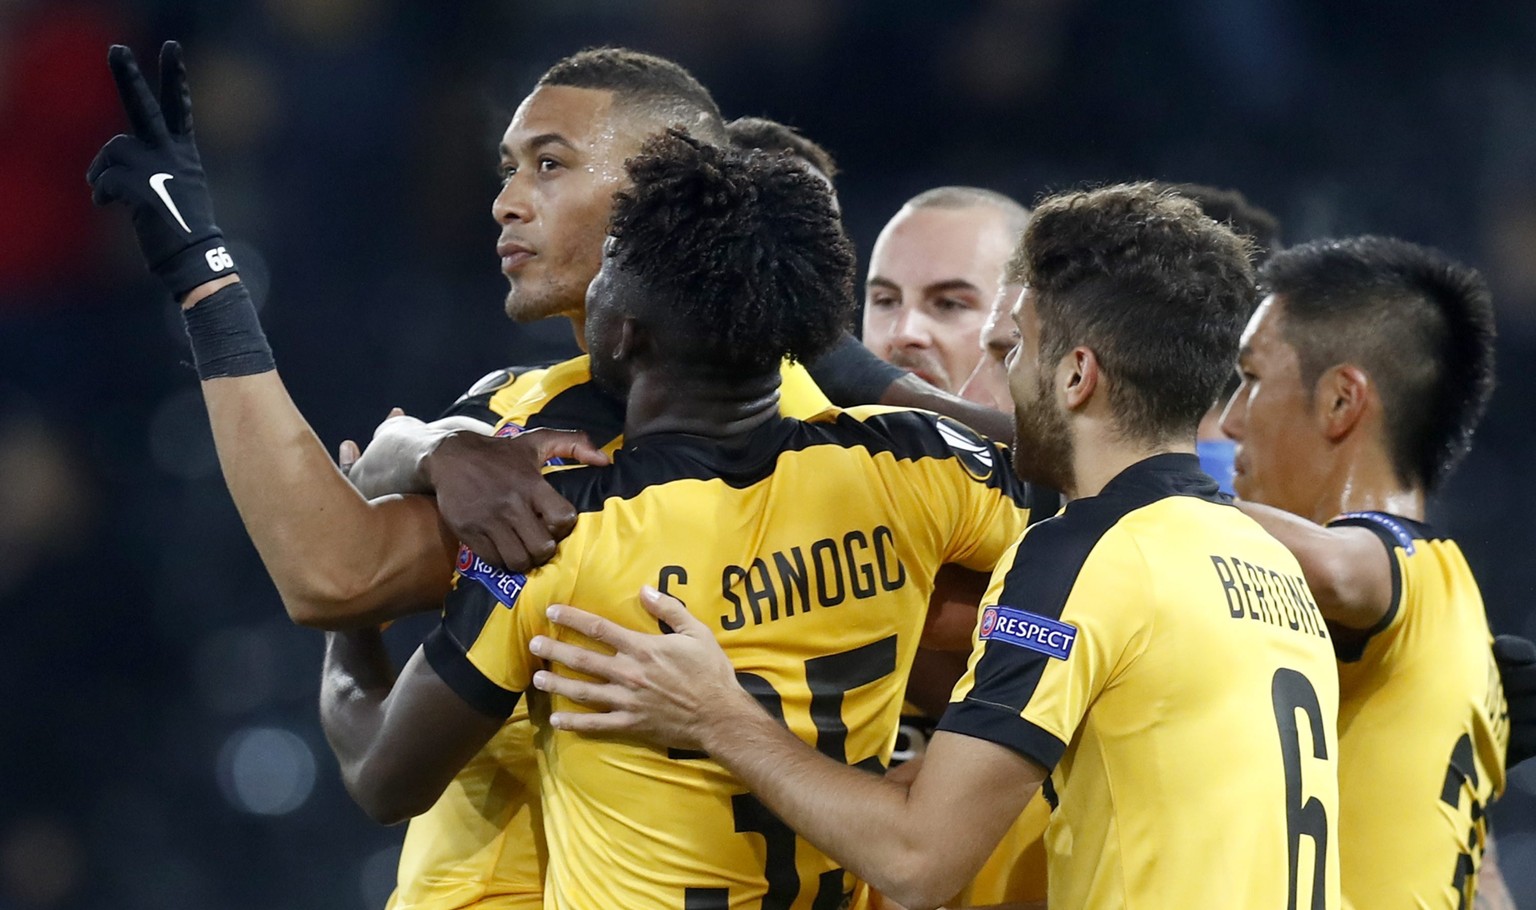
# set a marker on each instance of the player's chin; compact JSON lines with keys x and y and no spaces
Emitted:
{"x":524,"y":303}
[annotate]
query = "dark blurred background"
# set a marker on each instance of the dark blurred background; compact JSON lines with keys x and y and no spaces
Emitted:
{"x":160,"y":743}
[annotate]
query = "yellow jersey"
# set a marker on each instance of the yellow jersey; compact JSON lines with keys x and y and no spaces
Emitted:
{"x":482,"y":843}
{"x":810,"y":549}
{"x":1423,"y":730}
{"x":1160,"y":655}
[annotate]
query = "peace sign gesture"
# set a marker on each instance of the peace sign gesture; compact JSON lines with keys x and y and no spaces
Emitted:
{"x":156,"y":171}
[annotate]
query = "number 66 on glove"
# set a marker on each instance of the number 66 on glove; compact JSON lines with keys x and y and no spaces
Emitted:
{"x":157,"y":173}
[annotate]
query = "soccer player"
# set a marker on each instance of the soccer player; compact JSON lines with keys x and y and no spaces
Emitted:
{"x":933,"y":274}
{"x":1150,"y":655}
{"x":1364,"y":374}
{"x":561,"y":160}
{"x":300,"y":509}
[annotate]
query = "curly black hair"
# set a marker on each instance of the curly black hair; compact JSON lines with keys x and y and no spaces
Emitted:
{"x":1418,"y":322}
{"x":764,"y":135}
{"x":742,"y":254}
{"x":1158,"y":290}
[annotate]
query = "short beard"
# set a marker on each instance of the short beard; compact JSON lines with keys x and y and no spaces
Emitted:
{"x":1042,"y":443}
{"x":524,"y":307}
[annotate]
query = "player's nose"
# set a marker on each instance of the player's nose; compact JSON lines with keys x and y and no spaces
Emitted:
{"x":512,"y":203}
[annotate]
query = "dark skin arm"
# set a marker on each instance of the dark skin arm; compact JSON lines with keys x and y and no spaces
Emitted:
{"x":911,"y":392}
{"x":399,"y":741}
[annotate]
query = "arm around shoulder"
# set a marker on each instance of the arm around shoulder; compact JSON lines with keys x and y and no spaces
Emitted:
{"x":1348,"y":569}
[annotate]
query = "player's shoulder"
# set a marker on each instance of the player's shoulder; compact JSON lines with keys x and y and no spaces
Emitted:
{"x":908,"y":434}
{"x":1396,"y":532}
{"x":490,"y":395}
{"x":1148,"y":502}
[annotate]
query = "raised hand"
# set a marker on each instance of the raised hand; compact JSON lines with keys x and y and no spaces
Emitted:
{"x":157,"y":173}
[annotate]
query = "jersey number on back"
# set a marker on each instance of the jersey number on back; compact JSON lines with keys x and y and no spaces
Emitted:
{"x":1293,"y":692}
{"x":829,"y":678}
{"x":1462,"y":775}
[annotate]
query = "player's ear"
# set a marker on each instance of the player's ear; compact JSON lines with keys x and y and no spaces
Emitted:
{"x":633,"y":340}
{"x":1341,"y":396}
{"x":1077,"y":376}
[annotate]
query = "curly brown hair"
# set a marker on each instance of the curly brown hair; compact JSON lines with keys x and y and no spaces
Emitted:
{"x":742,"y":255}
{"x":1158,"y":290}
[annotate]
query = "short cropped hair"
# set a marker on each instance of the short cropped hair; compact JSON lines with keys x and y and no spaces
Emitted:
{"x":655,"y":85}
{"x":764,"y":135}
{"x":1015,"y":215}
{"x":1158,"y":290}
{"x":1418,"y":322}
{"x":742,"y":256}
{"x":1232,"y":208}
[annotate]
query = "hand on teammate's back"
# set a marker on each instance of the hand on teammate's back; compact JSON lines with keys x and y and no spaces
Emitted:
{"x":1516,"y":658}
{"x":670,"y":690}
{"x":158,"y":173}
{"x":492,"y":494}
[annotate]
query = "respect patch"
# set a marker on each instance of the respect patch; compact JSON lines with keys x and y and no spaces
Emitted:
{"x":504,"y":586}
{"x":1023,"y":629}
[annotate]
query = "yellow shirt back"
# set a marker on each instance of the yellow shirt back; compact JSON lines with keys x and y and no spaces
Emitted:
{"x":1160,"y":655}
{"x":1423,"y":730}
{"x":482,"y":844}
{"x":810,"y":551}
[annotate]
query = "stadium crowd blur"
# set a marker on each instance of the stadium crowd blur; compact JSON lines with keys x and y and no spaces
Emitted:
{"x":160,"y":741}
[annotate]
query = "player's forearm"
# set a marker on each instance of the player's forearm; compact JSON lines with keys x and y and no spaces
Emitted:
{"x":832,"y":805}
{"x":355,"y":679}
{"x":354,"y":711}
{"x":336,"y":558}
{"x":1346,"y":569}
{"x":911,"y":392}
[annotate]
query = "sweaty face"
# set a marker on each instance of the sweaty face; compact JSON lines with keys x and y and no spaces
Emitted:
{"x":933,"y":275}
{"x":562,"y":159}
{"x":988,"y":383}
{"x":1281,"y":451}
{"x":1042,"y":444}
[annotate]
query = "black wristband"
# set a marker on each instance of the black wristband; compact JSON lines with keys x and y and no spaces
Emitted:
{"x":227,"y":339}
{"x":850,"y":374}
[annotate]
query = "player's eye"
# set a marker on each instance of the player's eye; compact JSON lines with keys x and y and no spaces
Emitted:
{"x":882,"y":300}
{"x":547,"y":164}
{"x":505,"y":171}
{"x":950,"y":305}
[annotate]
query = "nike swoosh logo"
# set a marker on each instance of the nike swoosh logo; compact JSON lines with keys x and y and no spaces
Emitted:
{"x":157,"y":183}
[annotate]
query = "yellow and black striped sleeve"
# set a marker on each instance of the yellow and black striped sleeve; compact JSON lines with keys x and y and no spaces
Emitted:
{"x":1348,"y":645}
{"x":480,"y":648}
{"x":1053,"y":631}
{"x":970,"y":474}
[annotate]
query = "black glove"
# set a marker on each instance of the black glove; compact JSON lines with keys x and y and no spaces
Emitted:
{"x":1516,"y":658}
{"x":156,"y":171}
